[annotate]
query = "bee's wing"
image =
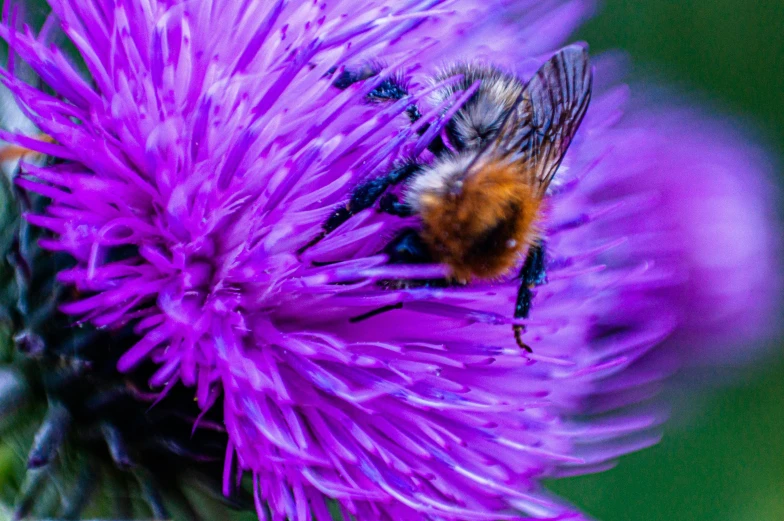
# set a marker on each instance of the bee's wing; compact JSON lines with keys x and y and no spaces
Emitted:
{"x":541,"y":125}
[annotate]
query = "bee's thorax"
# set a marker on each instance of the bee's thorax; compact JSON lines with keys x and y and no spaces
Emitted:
{"x":477,"y":223}
{"x":480,"y":118}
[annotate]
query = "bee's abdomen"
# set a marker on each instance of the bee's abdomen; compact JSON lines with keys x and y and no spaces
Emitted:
{"x":480,"y":230}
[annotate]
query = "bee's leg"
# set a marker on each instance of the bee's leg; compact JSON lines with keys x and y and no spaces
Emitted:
{"x":350,"y":76}
{"x":368,"y":192}
{"x":408,"y":248}
{"x":378,"y":311}
{"x":364,"y":196}
{"x":533,"y":274}
{"x":391,"y":204}
{"x":391,"y":88}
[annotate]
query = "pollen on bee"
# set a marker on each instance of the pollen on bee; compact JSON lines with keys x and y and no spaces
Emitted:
{"x":480,"y":229}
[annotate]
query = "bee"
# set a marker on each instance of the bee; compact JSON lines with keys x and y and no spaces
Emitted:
{"x":480,"y":201}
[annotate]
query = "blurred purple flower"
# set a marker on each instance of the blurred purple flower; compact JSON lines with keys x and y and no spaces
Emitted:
{"x":716,"y":218}
{"x":700,"y":205}
{"x":207,"y":147}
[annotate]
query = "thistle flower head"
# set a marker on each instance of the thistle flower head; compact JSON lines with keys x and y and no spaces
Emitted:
{"x":77,"y":435}
{"x":74,"y":430}
{"x":203,"y":147}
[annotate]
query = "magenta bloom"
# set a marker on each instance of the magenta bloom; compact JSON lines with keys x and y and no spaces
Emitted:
{"x":206,"y":147}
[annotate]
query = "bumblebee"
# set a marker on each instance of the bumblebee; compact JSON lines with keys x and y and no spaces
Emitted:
{"x":479,"y":202}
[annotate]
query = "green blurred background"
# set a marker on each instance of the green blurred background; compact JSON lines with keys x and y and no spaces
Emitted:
{"x":724,"y":459}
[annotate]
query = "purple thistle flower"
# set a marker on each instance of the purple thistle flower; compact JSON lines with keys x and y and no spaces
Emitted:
{"x":204,"y":146}
{"x":718,"y":204}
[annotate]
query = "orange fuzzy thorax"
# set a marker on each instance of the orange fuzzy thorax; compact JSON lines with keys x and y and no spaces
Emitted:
{"x":480,"y":229}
